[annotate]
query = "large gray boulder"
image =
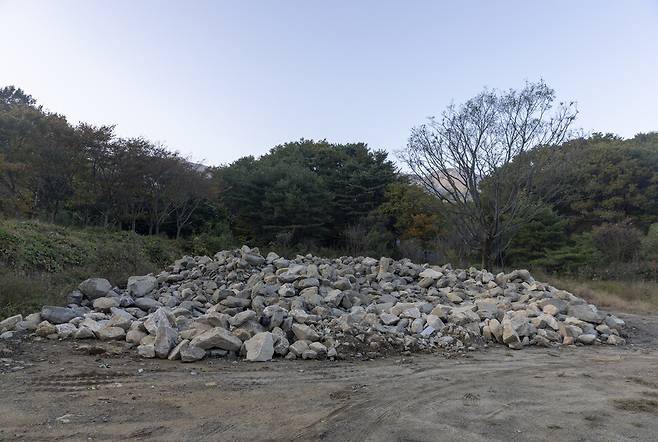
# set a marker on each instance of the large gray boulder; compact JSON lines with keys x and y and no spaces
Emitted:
{"x":305,"y":333}
{"x":10,"y":323}
{"x":165,"y":340}
{"x":105,"y":304}
{"x":111,"y":334}
{"x":584,"y":312}
{"x":58,"y":315}
{"x":94,"y":288}
{"x":147,"y":304}
{"x":260,"y":348}
{"x":217,"y":338}
{"x":161,"y":315}
{"x":190,"y":353}
{"x":139,"y":286}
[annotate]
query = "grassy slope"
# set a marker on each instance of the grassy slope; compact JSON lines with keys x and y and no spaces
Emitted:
{"x":622,"y":296}
{"x":40,"y":263}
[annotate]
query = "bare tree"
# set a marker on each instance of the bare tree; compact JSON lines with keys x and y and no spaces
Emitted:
{"x":193,"y":186}
{"x":475,"y":159}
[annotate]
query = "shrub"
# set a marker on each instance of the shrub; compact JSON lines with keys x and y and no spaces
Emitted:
{"x":618,"y":242}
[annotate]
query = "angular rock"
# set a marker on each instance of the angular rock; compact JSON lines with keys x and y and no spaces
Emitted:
{"x":260,"y":348}
{"x":105,"y":304}
{"x":585,"y":313}
{"x":10,"y":323}
{"x":165,"y":340}
{"x":305,"y":333}
{"x":65,"y":331}
{"x":58,"y":315}
{"x":190,"y":353}
{"x":217,"y":338}
{"x":139,"y":286}
{"x":94,"y":288}
{"x":147,"y":304}
{"x":146,"y":350}
{"x":45,"y":328}
{"x":111,"y":334}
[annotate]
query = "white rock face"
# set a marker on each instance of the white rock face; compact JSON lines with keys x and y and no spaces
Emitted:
{"x":260,"y":348}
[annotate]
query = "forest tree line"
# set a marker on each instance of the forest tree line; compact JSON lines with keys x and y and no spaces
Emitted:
{"x":590,"y":205}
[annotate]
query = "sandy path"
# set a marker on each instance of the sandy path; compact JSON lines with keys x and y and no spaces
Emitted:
{"x":581,"y":394}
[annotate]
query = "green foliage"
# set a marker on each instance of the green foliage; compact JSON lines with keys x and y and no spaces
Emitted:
{"x":577,"y":256}
{"x":414,"y":213}
{"x":650,"y":244}
{"x":603,"y":179}
{"x":539,"y":238}
{"x":304,"y":191}
{"x":214,"y":238}
{"x":619,"y":242}
{"x":85,"y":175}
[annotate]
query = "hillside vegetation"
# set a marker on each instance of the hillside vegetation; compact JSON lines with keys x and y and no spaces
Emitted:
{"x":579,"y":208}
{"x":40,"y":263}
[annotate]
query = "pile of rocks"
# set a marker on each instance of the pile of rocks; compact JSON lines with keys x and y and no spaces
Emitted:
{"x":240,"y":303}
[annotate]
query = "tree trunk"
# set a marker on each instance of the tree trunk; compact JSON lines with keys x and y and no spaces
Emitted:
{"x":485,"y":252}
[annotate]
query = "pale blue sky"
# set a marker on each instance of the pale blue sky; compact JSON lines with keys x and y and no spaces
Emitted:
{"x":218,"y":80}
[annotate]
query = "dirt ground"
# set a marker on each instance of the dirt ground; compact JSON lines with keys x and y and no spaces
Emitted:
{"x":596,"y":393}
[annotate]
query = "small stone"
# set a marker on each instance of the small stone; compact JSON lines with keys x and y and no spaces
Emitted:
{"x":190,"y":353}
{"x":551,"y":309}
{"x":615,"y":340}
{"x":10,"y":323}
{"x":430,"y":273}
{"x":309,"y":354}
{"x":84,"y":333}
{"x":389,"y":319}
{"x":111,"y":334}
{"x":146,"y":350}
{"x":135,"y":336}
{"x":282,"y":346}
{"x":298,"y":348}
{"x":242,"y":317}
{"x":123,"y":321}
{"x":65,"y":331}
{"x":587,"y":339}
{"x":454,"y":298}
{"x":147,"y":304}
{"x":105,"y":304}
{"x":45,"y":328}
{"x":174,"y":354}
{"x":318,"y":348}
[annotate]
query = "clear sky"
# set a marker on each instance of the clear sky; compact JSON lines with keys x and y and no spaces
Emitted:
{"x":218,"y":80}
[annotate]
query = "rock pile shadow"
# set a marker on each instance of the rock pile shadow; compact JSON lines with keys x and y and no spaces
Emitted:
{"x":241,"y":304}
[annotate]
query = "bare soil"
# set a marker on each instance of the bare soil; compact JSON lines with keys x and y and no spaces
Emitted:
{"x":598,"y":393}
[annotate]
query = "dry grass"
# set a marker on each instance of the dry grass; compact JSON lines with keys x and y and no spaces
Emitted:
{"x":623,"y":296}
{"x":637,"y":405}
